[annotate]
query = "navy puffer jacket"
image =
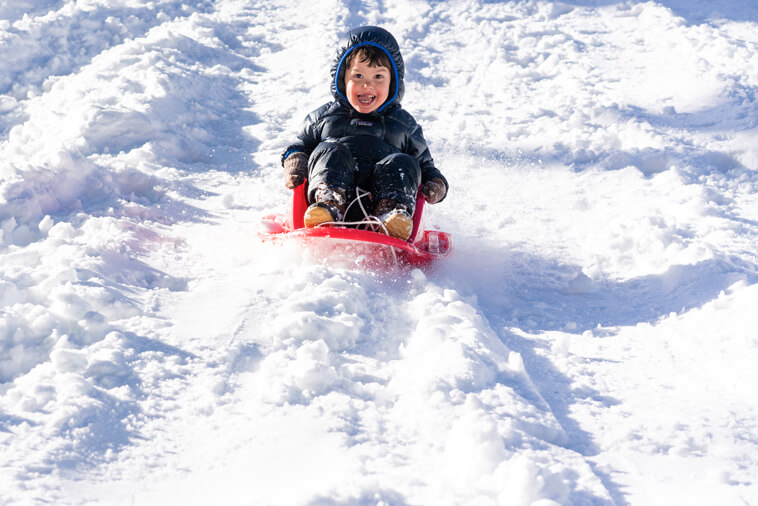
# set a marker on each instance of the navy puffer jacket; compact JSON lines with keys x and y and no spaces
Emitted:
{"x":370,"y":137}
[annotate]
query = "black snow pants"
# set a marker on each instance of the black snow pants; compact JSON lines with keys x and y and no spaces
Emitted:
{"x":395,"y":177}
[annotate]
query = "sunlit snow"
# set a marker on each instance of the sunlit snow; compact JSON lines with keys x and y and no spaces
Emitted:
{"x":593,"y":340}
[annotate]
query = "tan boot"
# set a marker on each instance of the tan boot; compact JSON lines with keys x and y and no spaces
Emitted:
{"x":396,"y":221}
{"x":319,"y":214}
{"x":329,"y":207}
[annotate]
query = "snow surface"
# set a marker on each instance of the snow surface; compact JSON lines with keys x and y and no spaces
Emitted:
{"x":592,"y":341}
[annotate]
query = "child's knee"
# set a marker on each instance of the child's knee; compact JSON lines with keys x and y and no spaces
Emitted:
{"x":403,"y":164}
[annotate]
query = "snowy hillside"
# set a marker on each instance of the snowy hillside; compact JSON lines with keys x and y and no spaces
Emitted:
{"x":592,"y":341}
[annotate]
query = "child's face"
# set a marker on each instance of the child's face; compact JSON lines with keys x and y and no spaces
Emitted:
{"x":366,"y":87}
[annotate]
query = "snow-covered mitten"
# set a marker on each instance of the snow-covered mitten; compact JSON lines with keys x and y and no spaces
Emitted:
{"x":434,"y":190}
{"x":295,"y":169}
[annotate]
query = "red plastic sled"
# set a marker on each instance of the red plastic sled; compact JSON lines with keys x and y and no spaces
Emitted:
{"x":364,"y":246}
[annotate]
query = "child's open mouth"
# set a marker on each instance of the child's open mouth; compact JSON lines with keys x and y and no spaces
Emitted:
{"x":366,"y":99}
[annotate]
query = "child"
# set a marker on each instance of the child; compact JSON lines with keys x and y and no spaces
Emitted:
{"x":364,"y":139}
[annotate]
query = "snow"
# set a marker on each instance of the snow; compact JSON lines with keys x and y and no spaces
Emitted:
{"x":592,"y":341}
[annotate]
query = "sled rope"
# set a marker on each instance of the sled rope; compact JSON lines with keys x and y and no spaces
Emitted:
{"x":371,"y":222}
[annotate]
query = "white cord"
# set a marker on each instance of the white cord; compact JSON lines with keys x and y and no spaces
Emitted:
{"x":372,"y":222}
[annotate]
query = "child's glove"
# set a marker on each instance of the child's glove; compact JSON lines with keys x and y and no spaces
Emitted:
{"x":434,"y":190}
{"x":295,"y":169}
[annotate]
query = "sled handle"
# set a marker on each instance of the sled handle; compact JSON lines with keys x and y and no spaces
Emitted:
{"x":299,"y":205}
{"x":417,"y":232}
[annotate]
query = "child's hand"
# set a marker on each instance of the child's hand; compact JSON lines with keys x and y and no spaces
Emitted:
{"x":295,"y":170}
{"x":434,"y":190}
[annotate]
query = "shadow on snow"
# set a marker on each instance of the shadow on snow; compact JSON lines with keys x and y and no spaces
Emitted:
{"x":694,"y":12}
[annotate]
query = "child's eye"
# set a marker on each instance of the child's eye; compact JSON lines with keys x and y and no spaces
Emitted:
{"x":357,"y":76}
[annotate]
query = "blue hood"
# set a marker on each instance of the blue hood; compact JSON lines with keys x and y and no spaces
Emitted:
{"x":370,"y":36}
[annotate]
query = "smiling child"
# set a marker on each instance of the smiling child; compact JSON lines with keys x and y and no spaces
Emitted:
{"x":364,"y":139}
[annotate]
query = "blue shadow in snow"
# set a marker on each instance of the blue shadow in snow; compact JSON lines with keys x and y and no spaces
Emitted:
{"x":694,"y":12}
{"x":101,"y":425}
{"x":367,"y":498}
{"x":8,"y":421}
{"x":556,"y":390}
{"x":518,"y":289}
